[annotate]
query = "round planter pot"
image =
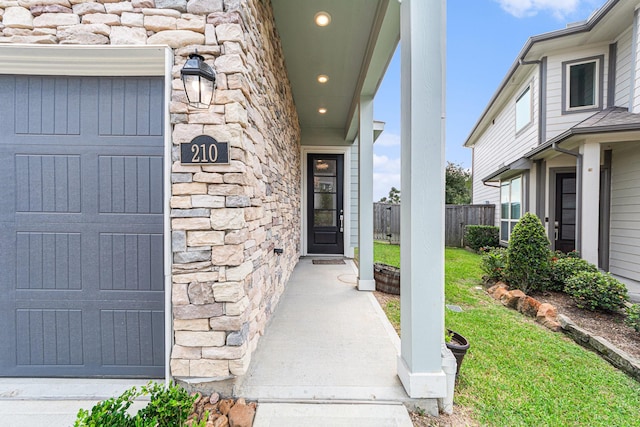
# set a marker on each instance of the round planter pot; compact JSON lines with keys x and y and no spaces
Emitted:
{"x":387,"y":278}
{"x":458,"y":346}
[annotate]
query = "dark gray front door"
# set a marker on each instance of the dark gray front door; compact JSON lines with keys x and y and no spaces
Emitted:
{"x":565,"y":215}
{"x":81,"y":227}
{"x":325,"y":204}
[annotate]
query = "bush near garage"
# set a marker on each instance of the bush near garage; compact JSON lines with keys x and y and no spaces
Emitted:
{"x":596,"y":291}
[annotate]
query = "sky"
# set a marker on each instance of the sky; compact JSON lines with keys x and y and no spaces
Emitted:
{"x":484,"y":38}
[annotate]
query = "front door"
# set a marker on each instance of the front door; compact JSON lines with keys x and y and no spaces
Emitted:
{"x":565,"y":215}
{"x":325,"y":211}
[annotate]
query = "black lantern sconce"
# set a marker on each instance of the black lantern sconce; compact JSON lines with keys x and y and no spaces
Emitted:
{"x":199,"y":80}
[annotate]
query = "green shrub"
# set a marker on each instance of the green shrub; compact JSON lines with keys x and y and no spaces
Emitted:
{"x":528,"y":255}
{"x":494,"y":262}
{"x":168,"y":407}
{"x":596,"y":291}
{"x":633,"y":316}
{"x":481,"y":236}
{"x":566,"y":267}
{"x":560,"y":255}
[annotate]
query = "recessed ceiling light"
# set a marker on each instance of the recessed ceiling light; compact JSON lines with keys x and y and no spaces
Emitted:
{"x":322,"y":19}
{"x":322,"y":78}
{"x":322,"y":110}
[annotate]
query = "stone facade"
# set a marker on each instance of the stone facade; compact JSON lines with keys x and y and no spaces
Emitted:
{"x":226,"y":220}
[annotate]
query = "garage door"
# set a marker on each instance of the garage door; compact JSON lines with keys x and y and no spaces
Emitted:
{"x":81,"y":223}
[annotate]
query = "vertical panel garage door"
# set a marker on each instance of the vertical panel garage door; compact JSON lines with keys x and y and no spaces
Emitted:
{"x":81,"y":244}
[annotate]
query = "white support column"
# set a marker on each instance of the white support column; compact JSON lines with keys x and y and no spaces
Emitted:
{"x":365,"y":195}
{"x":422,"y":232}
{"x":590,"y":209}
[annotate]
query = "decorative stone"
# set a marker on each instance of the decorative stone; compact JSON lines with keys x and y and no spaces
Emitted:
{"x":157,"y":23}
{"x":240,"y":366}
{"x":205,"y":238}
{"x":179,"y":295}
{"x":190,"y":223}
{"x":238,"y":338}
{"x":190,"y":213}
{"x":199,"y":339}
{"x":236,"y":237}
{"x":131,"y":19}
{"x":236,"y":308}
{"x":191,"y":23}
{"x":201,"y":293}
{"x":186,"y":132}
{"x":119,"y":7}
{"x":206,"y":201}
{"x":17,"y":17}
{"x":197,"y":312}
{"x":191,"y":256}
{"x":237,"y":274}
{"x":177,"y":38}
{"x":204,"y":276}
{"x":224,"y":353}
{"x":228,"y":291}
{"x":207,"y":118}
{"x":181,"y":352}
{"x":528,"y":306}
{"x":101,"y":29}
{"x":240,"y":415}
{"x":237,"y":201}
{"x":30,"y":3}
{"x":231,"y":5}
{"x":179,"y":5}
{"x":128,"y":36}
{"x":191,"y":324}
{"x":229,"y":64}
{"x":227,"y":255}
{"x":225,"y":406}
{"x":202,"y":7}
{"x":235,"y":113}
{"x":210,"y":35}
{"x":209,"y":368}
{"x":179,"y":367}
{"x":189,"y":188}
{"x":227,"y":219}
{"x":140,"y":4}
{"x":163,"y":12}
{"x":225,"y":190}
{"x":101,"y":18}
{"x":178,"y":241}
{"x":49,"y":8}
{"x":229,"y":32}
{"x":219,"y":18}
{"x":84,"y":8}
{"x":83,"y":38}
{"x":511,"y":298}
{"x":226,"y":323}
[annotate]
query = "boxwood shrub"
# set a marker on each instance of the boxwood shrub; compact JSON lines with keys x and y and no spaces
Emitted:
{"x":596,"y":291}
{"x":528,"y":256}
{"x":564,"y":268}
{"x":481,"y":236}
{"x":633,"y":316}
{"x":494,"y":262}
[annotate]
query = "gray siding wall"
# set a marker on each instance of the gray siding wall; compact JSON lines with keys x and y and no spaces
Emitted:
{"x":625,"y":212}
{"x":623,"y":69}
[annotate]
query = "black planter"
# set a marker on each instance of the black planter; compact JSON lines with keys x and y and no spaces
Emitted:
{"x":458,"y":346}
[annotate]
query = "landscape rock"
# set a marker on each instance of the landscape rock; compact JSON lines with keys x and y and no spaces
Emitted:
{"x":512,"y":298}
{"x":241,"y":415}
{"x":528,"y":306}
{"x":225,"y":406}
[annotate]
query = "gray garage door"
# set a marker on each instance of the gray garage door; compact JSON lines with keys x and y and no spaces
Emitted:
{"x":81,"y":243}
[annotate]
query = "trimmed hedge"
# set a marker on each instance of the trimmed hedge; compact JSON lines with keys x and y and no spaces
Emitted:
{"x":564,"y":268}
{"x":596,"y":291}
{"x":481,"y":236}
{"x":528,"y":256}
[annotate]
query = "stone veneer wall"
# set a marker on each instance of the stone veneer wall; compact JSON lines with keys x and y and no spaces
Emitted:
{"x":225,"y":220}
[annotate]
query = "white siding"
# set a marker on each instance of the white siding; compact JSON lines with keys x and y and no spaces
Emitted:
{"x":499,"y":145}
{"x":353,"y":194}
{"x":557,"y":122}
{"x":625,"y":212}
{"x":636,"y":91}
{"x":623,"y":69}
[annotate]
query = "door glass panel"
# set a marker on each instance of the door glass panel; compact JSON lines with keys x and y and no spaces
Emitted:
{"x":324,"y":184}
{"x":568,"y":201}
{"x":324,"y":218}
{"x":324,"y":167}
{"x":569,"y":185}
{"x":325,"y":201}
{"x":568,"y":232}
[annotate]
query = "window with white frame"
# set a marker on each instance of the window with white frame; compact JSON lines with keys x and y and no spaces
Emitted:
{"x":582,"y":84}
{"x":510,"y":206}
{"x":523,"y":109}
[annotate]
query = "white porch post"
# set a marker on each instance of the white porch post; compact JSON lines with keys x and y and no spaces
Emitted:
{"x":365,"y":195}
{"x":422,"y":235}
{"x":590,"y":210}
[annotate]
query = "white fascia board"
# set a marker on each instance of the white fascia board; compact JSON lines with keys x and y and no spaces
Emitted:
{"x":74,"y":60}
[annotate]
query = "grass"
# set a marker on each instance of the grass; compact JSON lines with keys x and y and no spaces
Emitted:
{"x":386,"y":253}
{"x":518,"y":373}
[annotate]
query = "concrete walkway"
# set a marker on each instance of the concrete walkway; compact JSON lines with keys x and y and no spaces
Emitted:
{"x":330,"y":348}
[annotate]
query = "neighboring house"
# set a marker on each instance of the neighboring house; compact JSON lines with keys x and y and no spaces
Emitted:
{"x":561,"y":138}
{"x":122,"y":258}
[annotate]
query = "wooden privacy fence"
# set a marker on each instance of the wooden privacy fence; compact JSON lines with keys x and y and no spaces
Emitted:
{"x":386,"y":221}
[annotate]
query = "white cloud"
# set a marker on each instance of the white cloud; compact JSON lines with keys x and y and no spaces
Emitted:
{"x":386,"y":174}
{"x":521,"y":8}
{"x":387,"y":140}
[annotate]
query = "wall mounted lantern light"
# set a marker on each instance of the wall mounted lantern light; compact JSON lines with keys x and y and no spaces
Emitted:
{"x":199,"y":81}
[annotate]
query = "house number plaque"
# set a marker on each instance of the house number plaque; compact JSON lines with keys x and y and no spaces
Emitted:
{"x":204,"y":150}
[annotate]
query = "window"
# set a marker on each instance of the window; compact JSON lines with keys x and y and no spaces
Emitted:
{"x":523,"y":109}
{"x":582,"y":85}
{"x":510,"y":206}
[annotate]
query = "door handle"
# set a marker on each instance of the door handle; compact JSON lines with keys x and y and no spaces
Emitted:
{"x":341,"y":221}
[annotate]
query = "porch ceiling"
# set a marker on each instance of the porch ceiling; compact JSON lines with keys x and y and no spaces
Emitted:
{"x":353,"y":51}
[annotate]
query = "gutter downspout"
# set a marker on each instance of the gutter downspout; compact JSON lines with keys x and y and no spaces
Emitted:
{"x":578,"y":157}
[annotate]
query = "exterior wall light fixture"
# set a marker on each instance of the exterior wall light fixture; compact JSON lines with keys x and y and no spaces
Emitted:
{"x":199,"y":80}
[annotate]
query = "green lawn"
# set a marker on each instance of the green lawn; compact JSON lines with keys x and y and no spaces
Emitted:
{"x":518,"y":373}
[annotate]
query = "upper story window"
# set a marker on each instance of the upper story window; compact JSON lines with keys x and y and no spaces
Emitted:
{"x":582,"y":84}
{"x":523,"y":109}
{"x":510,"y":206}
